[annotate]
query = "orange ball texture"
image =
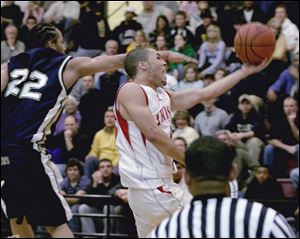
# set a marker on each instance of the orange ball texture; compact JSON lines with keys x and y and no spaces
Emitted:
{"x":254,"y":42}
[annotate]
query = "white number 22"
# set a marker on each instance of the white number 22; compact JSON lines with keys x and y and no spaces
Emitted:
{"x":20,"y":75}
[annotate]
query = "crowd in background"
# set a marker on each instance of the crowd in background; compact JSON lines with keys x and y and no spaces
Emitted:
{"x":258,"y":118}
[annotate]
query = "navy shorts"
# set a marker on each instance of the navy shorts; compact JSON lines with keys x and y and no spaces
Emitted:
{"x":31,"y":188}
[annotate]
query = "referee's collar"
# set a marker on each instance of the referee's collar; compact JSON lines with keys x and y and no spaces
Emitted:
{"x":208,"y":196}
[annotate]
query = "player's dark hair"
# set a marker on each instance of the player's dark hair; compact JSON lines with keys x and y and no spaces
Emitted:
{"x":133,"y":58}
{"x":208,"y":158}
{"x":41,"y":34}
{"x":73,"y":162}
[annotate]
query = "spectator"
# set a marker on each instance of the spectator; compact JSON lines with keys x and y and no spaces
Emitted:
{"x":172,"y":5}
{"x":244,"y":164}
{"x":225,"y":101}
{"x":196,"y":20}
{"x":264,"y":187}
{"x":63,"y":14}
{"x":33,"y":9}
{"x":161,"y":43}
{"x":182,"y":121}
{"x":183,"y":47}
{"x":71,"y":107}
{"x":104,"y":145}
{"x":251,"y":12}
{"x":140,"y":40}
{"x":181,"y":29}
{"x":208,"y":79}
{"x":124,"y":33}
{"x":280,"y":52}
{"x":162,"y":29}
{"x":149,"y":15}
{"x":190,"y":79}
{"x":294,"y":175}
{"x":105,"y":182}
{"x":246,"y":126}
{"x":10,"y":15}
{"x":288,"y":29}
{"x":212,"y":52}
{"x":31,"y":22}
{"x":92,"y":117}
{"x":179,"y":174}
{"x":226,"y":16}
{"x":284,"y":139}
{"x":11,"y":46}
{"x":189,"y":7}
{"x":109,"y":83}
{"x":82,"y":86}
{"x":76,"y":184}
{"x":211,"y":120}
{"x":201,"y":31}
{"x":93,"y":32}
{"x":68,"y":144}
{"x":286,"y":81}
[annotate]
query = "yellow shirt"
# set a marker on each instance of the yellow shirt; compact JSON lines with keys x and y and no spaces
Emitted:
{"x":104,"y":146}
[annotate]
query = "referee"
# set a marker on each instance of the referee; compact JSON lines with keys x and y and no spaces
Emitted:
{"x":212,"y":213}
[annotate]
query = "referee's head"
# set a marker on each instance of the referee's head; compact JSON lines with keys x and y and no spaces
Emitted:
{"x":208,"y":165}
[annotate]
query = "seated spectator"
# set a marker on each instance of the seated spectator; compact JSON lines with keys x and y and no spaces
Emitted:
{"x":190,"y":79}
{"x":178,"y":176}
{"x":139,"y":40}
{"x":68,"y":144}
{"x":181,"y":29}
{"x":182,"y":122}
{"x":150,"y":14}
{"x":76,"y":184}
{"x":182,"y":47}
{"x":246,"y":125}
{"x":71,"y":108}
{"x":201,"y":31}
{"x":162,"y":29}
{"x":105,"y":182}
{"x":189,"y":7}
{"x":288,"y":29}
{"x":251,"y":12}
{"x":208,"y":79}
{"x":93,"y":32}
{"x":33,"y":9}
{"x":225,"y":101}
{"x":212,"y":52}
{"x":284,"y":139}
{"x":211,"y":120}
{"x":11,"y":14}
{"x":11,"y":46}
{"x":124,"y":33}
{"x":161,"y":43}
{"x":92,"y":107}
{"x":280,"y":52}
{"x":104,"y":145}
{"x":245,"y":166}
{"x":264,"y":186}
{"x":30,"y":23}
{"x":109,"y":83}
{"x":63,"y":14}
{"x":286,"y":81}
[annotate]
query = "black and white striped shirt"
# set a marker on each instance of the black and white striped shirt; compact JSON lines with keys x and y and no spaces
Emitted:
{"x":224,"y":217}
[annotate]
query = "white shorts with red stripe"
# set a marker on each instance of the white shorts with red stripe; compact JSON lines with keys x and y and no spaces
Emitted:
{"x":151,"y":206}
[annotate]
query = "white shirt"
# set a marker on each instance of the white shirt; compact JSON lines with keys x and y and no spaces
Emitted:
{"x":69,"y":9}
{"x":141,"y":164}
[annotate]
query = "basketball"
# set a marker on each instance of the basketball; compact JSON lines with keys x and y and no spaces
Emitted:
{"x":254,"y":42}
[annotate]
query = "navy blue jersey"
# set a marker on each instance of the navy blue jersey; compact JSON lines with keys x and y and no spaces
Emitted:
{"x":34,"y":96}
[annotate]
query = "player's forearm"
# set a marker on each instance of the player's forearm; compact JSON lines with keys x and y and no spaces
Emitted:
{"x":164,"y":144}
{"x":277,"y":143}
{"x":176,"y":57}
{"x":220,"y":87}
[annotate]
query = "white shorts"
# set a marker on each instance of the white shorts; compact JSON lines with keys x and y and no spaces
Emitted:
{"x":151,"y":206}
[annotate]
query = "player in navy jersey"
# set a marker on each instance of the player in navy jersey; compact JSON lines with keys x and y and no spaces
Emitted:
{"x":34,"y":87}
